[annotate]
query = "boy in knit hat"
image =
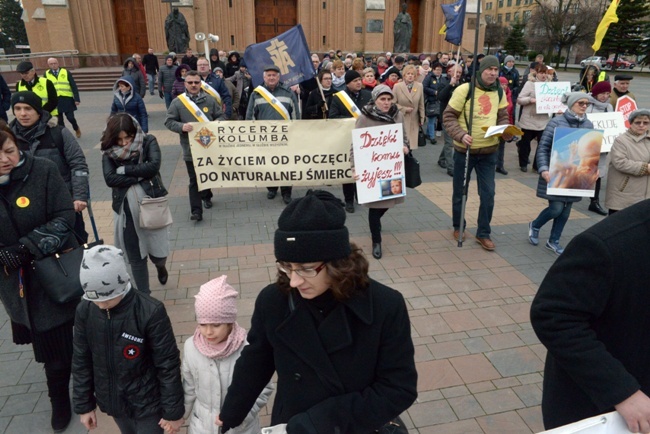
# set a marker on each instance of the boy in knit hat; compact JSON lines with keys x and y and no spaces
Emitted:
{"x":125,"y":358}
{"x":209,"y":360}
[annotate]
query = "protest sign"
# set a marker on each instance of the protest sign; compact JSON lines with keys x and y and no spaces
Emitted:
{"x":574,"y":162}
{"x":548,"y":96}
{"x":625,"y":105}
{"x":612,"y":124}
{"x":271,"y":153}
{"x":379,"y":162}
{"x":608,"y":423}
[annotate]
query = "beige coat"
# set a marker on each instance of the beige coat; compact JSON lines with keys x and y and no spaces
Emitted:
{"x":415,"y":100}
{"x":530,"y":120}
{"x":627,"y":180}
{"x":364,"y":121}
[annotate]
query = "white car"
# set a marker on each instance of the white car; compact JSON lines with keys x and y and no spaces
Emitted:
{"x":599,"y":61}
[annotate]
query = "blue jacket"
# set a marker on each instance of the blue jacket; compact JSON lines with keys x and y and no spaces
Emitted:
{"x":566,"y":120}
{"x":130,"y":103}
{"x":432,"y":85}
{"x":217,"y":84}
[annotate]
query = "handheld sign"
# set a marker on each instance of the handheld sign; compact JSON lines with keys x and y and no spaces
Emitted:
{"x":625,"y":105}
{"x":612,"y":124}
{"x":379,"y":162}
{"x":548,"y":96}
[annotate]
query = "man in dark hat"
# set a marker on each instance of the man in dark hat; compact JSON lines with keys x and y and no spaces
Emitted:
{"x":347,"y":104}
{"x":272,"y":100}
{"x":397,"y":66}
{"x":41,"y":86}
{"x":621,"y":86}
{"x":242,"y":81}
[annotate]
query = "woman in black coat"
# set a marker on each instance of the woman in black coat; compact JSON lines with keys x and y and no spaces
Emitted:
{"x":315,"y":105}
{"x":36,"y":212}
{"x":339,"y":341}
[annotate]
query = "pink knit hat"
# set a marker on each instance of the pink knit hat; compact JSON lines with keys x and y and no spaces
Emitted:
{"x":216,"y":302}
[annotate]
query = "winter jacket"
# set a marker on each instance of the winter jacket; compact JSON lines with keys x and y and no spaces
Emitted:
{"x":339,"y":111}
{"x":513,"y":79}
{"x":351,"y":374}
{"x":58,"y":145}
{"x":259,"y":109}
{"x":150,"y":62}
{"x":190,"y":61}
{"x":529,"y":119}
{"x":166,"y":78}
{"x":205,"y":383}
{"x":233,"y":64}
{"x":565,"y":120}
{"x":136,"y":76}
{"x":218,"y":84}
{"x":216,"y":63}
{"x":627,"y":179}
{"x":178,"y":114}
{"x":313,"y":105}
{"x":415,"y":100}
{"x":613,"y":98}
{"x":5,"y":99}
{"x":134,"y":172}
{"x":591,"y":313}
{"x":432,"y":85}
{"x":179,"y":84}
{"x":126,"y":360}
{"x":235,"y":97}
{"x":38,"y":180}
{"x":130,"y":103}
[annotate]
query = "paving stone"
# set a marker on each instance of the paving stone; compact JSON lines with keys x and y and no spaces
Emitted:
{"x":498,"y":401}
{"x":460,"y":427}
{"x":20,"y":404}
{"x":431,"y":413}
{"x":474,"y":368}
{"x":515,"y":361}
{"x":466,"y":407}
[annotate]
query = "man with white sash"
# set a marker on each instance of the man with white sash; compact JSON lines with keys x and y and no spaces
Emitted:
{"x":348,"y":104}
{"x":273,"y":101}
{"x":193,"y":106}
{"x":214,"y":86}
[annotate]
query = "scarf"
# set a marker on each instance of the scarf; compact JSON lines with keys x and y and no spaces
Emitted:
{"x":373,"y":112}
{"x":123,"y":153}
{"x":235,"y":340}
{"x":27,"y":133}
{"x":338,"y":81}
{"x":579,"y":118}
{"x":494,"y":86}
{"x":369,"y":84}
{"x":409,"y":87}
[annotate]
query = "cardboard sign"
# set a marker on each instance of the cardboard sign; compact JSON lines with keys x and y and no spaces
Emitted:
{"x":608,"y":423}
{"x":548,"y":96}
{"x":612,"y":124}
{"x":379,"y":162}
{"x":271,"y":153}
{"x":574,"y":162}
{"x":625,"y":105}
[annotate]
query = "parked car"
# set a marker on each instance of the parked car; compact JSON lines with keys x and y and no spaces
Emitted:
{"x":599,"y":61}
{"x":620,"y":64}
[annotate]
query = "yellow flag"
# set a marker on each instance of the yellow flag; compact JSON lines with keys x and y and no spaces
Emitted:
{"x":609,"y":18}
{"x":443,"y":29}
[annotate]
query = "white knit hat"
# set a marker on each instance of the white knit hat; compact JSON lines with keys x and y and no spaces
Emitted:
{"x":103,"y":274}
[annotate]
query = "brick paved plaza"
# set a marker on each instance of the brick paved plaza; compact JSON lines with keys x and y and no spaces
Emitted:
{"x":479,"y":362}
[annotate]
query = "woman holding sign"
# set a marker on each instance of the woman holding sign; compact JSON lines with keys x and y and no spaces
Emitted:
{"x":531,"y":122}
{"x":559,"y":207}
{"x":628,"y":181}
{"x":381,"y":110}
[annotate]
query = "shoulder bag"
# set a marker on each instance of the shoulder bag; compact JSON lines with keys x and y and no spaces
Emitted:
{"x":412,"y":171}
{"x":154,"y":209}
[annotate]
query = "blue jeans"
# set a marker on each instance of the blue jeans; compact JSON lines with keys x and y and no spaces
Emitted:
{"x":431,"y":127}
{"x":557,"y":210}
{"x":152,"y":82}
{"x":168,"y":99}
{"x":485,"y":166}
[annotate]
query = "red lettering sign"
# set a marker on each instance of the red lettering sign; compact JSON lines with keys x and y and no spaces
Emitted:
{"x":626,"y":105}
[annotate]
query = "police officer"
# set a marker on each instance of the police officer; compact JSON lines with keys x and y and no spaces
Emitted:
{"x":66,"y":90}
{"x":41,"y":86}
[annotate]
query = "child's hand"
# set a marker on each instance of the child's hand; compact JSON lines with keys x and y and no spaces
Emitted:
{"x":171,"y":426}
{"x":89,"y":420}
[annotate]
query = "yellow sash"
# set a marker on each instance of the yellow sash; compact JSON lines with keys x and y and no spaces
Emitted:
{"x":348,"y":103}
{"x":193,"y":108}
{"x":277,"y":105}
{"x":211,"y":91}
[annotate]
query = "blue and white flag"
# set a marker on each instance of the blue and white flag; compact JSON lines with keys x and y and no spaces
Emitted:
{"x":288,"y":51}
{"x":454,"y":21}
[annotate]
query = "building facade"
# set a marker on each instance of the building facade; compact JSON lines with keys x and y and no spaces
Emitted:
{"x":105,"y":32}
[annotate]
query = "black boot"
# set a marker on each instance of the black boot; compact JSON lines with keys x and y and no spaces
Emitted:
{"x":376,"y":250}
{"x":594,"y":206}
{"x":58,"y":389}
{"x":162,"y":274}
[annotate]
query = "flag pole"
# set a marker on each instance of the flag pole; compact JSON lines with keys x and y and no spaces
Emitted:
{"x":322,"y":94}
{"x":463,"y":206}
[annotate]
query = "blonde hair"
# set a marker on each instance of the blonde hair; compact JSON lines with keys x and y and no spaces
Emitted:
{"x":337,"y":64}
{"x":357,"y":64}
{"x":368,"y":70}
{"x":409,"y":68}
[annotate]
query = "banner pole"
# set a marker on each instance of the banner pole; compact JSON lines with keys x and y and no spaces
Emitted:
{"x":322,"y":94}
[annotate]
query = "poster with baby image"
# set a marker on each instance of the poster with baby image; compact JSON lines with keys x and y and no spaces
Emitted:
{"x":379,"y":162}
{"x":574,"y":162}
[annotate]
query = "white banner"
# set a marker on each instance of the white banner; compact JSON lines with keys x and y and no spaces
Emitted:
{"x":379,"y":162}
{"x":272,"y":153}
{"x":608,"y":423}
{"x":612,"y":124}
{"x":548,"y":96}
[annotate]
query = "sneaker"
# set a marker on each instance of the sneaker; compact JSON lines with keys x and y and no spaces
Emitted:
{"x":533,"y":234}
{"x":555,"y":247}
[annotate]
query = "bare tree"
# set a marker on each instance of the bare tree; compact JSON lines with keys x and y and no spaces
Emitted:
{"x":495,"y":35}
{"x":562,"y":23}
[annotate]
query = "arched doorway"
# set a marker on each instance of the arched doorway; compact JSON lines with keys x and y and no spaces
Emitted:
{"x":131,"y":26}
{"x":273,"y":17}
{"x":413,"y":9}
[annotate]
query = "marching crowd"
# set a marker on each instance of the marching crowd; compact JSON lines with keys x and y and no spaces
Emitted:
{"x":322,"y":284}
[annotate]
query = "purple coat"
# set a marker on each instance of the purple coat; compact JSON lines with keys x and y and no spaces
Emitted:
{"x":179,"y":85}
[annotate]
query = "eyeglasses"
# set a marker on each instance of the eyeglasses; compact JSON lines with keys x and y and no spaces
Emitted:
{"x":192,"y":83}
{"x":583,"y":103}
{"x":641,"y":122}
{"x":302,"y":272}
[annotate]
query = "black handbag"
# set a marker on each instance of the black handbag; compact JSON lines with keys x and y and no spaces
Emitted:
{"x":422,"y":138}
{"x":58,"y":274}
{"x":412,"y":171}
{"x":432,"y":109}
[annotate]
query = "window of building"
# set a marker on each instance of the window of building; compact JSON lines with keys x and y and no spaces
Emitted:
{"x":516,"y":16}
{"x":488,"y":18}
{"x":507,"y":17}
{"x":500,"y":3}
{"x":527,"y":15}
{"x":499,"y":18}
{"x":518,"y":2}
{"x":509,"y":2}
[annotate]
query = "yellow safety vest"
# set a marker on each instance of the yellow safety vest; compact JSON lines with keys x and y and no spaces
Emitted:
{"x":61,"y":83}
{"x":40,"y":89}
{"x":602,"y":76}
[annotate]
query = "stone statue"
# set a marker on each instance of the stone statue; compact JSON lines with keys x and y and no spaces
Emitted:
{"x":402,"y":32}
{"x":176,"y":32}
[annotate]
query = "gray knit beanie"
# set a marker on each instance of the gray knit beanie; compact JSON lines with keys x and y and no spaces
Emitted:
{"x":570,"y":98}
{"x":488,"y":62}
{"x":380,"y":90}
{"x":637,"y":113}
{"x":103,"y":274}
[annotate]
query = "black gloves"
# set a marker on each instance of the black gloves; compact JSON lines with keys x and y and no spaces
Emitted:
{"x":15,"y":256}
{"x":160,"y":94}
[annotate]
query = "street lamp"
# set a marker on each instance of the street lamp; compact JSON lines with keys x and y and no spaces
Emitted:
{"x":568,"y":35}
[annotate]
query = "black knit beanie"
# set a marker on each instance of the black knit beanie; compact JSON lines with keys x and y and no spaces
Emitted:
{"x":351,"y":75}
{"x":312,"y":229}
{"x":29,"y":98}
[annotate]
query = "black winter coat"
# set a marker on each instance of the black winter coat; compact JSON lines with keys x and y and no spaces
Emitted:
{"x":352,"y":374}
{"x":126,"y":360}
{"x":338,"y":109}
{"x":591,"y":313}
{"x":35,"y":196}
{"x":133,"y":172}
